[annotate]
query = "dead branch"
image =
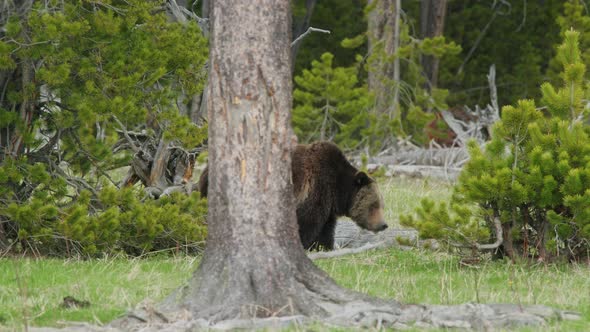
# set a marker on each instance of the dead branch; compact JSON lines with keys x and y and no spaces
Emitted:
{"x":182,"y":15}
{"x":300,"y":27}
{"x":499,"y":237}
{"x":73,"y":181}
{"x":453,"y":157}
{"x":348,"y":251}
{"x":309,"y":30}
{"x":126,"y":134}
{"x":497,"y":11}
{"x":493,"y":91}
{"x":419,"y":171}
{"x":490,"y":246}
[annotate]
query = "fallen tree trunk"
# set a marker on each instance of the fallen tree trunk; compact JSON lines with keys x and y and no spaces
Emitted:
{"x":449,"y":157}
{"x":417,"y":171}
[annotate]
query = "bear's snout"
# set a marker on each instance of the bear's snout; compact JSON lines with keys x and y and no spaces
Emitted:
{"x":381,"y":226}
{"x":376,"y":222}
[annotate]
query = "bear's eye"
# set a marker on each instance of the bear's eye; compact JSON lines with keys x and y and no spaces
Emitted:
{"x":374,"y":206}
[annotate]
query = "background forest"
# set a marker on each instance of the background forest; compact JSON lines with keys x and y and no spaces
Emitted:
{"x":102,"y":110}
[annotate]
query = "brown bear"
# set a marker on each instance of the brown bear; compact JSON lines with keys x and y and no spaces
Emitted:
{"x":327,"y":187}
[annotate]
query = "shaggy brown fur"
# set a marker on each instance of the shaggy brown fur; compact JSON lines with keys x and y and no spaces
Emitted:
{"x":326,"y":187}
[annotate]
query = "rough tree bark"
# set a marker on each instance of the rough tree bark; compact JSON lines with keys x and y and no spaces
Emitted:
{"x":432,"y":22}
{"x":254,"y":264}
{"x":199,"y":113}
{"x":383,"y":73}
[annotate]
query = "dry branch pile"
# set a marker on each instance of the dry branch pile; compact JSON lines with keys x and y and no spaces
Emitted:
{"x":436,"y":160}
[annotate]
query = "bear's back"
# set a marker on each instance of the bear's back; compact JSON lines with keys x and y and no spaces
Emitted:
{"x":320,"y":168}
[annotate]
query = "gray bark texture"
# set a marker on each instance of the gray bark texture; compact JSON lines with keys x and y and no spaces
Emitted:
{"x":432,"y":22}
{"x":383,"y":36}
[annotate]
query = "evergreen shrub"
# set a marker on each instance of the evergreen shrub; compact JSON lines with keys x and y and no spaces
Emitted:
{"x":533,"y":176}
{"x":79,"y":73}
{"x":111,"y":222}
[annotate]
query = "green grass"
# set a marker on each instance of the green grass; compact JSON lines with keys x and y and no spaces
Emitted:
{"x":32,"y":290}
{"x":437,"y":278}
{"x":403,"y":195}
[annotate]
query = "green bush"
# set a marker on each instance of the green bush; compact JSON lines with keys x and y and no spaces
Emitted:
{"x":81,"y":77}
{"x":533,"y":176}
{"x":119,"y":221}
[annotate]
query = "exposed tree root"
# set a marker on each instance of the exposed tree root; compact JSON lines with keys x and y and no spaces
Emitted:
{"x":367,"y":314}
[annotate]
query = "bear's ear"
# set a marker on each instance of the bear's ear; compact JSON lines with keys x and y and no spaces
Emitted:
{"x":362,"y":179}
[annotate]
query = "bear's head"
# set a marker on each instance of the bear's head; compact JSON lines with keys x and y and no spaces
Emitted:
{"x":366,"y":209}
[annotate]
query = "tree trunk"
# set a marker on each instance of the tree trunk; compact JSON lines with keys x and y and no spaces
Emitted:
{"x":384,"y":72}
{"x":254,"y":263}
{"x":507,"y":243}
{"x":432,"y":24}
{"x":542,"y":240}
{"x":205,"y":6}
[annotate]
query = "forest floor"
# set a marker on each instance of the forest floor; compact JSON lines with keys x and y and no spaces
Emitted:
{"x":32,"y":290}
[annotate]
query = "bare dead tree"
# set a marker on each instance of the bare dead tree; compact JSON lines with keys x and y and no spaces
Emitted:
{"x":384,"y":74}
{"x":484,"y":118}
{"x":432,"y":22}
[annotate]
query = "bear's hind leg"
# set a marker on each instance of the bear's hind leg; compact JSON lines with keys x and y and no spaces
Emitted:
{"x":326,"y":238}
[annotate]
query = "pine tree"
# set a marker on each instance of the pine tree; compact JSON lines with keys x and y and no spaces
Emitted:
{"x":533,"y":176}
{"x":574,"y":17}
{"x":330,"y":104}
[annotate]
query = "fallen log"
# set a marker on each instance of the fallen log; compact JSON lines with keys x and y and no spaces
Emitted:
{"x":447,"y":157}
{"x":417,"y":171}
